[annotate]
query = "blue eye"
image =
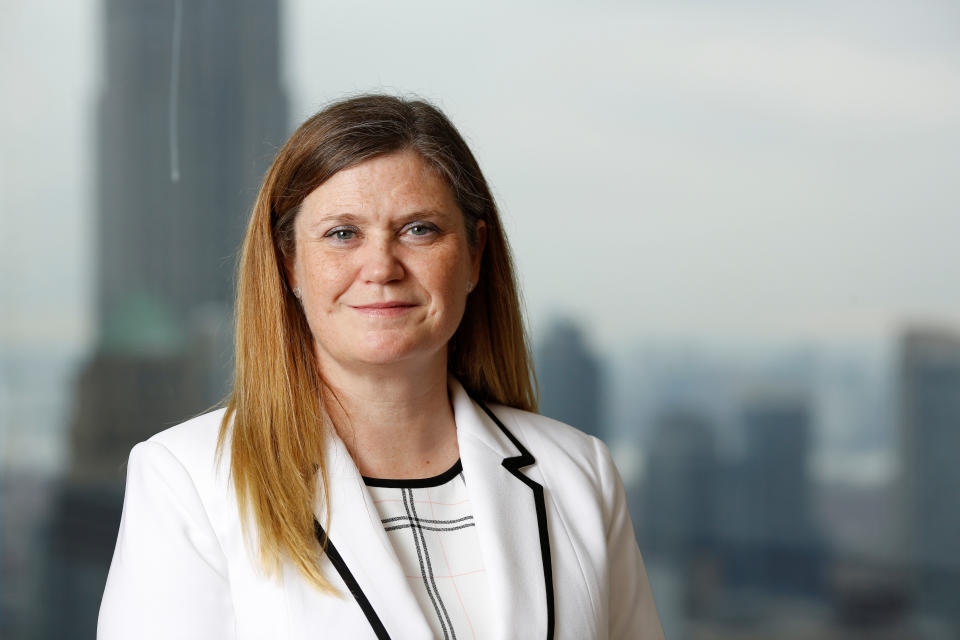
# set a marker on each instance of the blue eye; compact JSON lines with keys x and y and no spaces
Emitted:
{"x":421,"y":229}
{"x":341,"y":233}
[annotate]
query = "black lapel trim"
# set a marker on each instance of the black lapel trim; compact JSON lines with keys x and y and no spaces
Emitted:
{"x":513,"y":465}
{"x":337,"y":561}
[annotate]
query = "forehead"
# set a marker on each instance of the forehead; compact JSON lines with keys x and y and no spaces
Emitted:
{"x":398,"y":182}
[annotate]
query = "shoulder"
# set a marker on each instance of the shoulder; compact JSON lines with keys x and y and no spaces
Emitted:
{"x":195,"y":437}
{"x":544,"y":431}
{"x":172,"y":552}
{"x":556,"y":445}
{"x":576,"y":469}
{"x":191,"y":447}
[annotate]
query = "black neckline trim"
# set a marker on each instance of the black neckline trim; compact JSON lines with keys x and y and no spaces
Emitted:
{"x":416,"y":483}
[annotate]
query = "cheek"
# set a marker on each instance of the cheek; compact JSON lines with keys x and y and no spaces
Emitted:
{"x":324,"y":279}
{"x":448,"y":275}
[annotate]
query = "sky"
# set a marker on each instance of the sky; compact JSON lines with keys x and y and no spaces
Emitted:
{"x":728,"y":170}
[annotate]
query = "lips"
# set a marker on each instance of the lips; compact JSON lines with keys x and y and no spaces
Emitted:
{"x":382,"y":305}
{"x":383,"y":309}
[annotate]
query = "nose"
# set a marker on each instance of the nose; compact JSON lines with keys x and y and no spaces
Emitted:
{"x":380,"y":264}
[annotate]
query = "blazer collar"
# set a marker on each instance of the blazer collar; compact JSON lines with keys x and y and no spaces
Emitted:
{"x":510,"y":515}
{"x":360,"y":552}
{"x":510,"y":512}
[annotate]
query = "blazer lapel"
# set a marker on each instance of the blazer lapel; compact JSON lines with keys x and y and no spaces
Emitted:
{"x":362,"y":554}
{"x":510,"y":513}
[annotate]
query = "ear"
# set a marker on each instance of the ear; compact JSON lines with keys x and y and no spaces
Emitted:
{"x":477,"y":256}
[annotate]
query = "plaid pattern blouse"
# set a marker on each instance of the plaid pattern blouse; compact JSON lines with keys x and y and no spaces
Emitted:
{"x":430,"y":523}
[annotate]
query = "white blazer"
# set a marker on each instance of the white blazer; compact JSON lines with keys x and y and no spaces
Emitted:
{"x":551,"y":517}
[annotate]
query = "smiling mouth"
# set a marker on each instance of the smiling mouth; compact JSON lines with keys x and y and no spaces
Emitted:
{"x":384,"y":309}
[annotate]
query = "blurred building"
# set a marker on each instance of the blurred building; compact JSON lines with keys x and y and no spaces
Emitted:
{"x":190,"y":116}
{"x":569,"y":375}
{"x":676,"y":524}
{"x":679,"y":487}
{"x":769,"y":539}
{"x":930,"y":430}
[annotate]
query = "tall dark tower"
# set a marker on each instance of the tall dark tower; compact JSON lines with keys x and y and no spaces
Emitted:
{"x":569,"y":377}
{"x":678,"y":491}
{"x":190,"y":116}
{"x":930,"y":436}
{"x":777,"y":546}
{"x":677,"y":521}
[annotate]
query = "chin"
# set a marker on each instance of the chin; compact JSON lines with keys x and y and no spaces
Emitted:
{"x":383,"y":352}
{"x":387,"y":350}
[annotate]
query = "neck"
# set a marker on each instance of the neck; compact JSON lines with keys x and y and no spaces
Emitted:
{"x":396,"y":422}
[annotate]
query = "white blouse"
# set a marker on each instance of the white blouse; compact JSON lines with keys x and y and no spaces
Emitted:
{"x":430,"y":523}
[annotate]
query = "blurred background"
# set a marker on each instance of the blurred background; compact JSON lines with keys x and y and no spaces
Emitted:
{"x":736,"y":226}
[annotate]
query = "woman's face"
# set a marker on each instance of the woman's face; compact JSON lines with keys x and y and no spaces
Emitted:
{"x":383,"y":264}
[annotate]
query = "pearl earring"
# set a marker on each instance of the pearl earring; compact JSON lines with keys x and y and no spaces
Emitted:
{"x":297,"y":292}
{"x":469,"y":287}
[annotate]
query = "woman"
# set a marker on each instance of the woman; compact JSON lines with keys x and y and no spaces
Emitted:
{"x":378,"y":470}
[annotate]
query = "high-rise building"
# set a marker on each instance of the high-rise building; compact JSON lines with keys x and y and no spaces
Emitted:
{"x":769,"y":536}
{"x":679,"y":488}
{"x":677,"y":519}
{"x":929,"y":378}
{"x":190,"y":115}
{"x":569,"y":375}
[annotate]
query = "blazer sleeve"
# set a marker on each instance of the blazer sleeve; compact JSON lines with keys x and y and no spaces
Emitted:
{"x":631,"y":608}
{"x":168,"y":578}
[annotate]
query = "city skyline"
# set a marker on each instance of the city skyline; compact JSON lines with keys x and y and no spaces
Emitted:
{"x":784,"y":171}
{"x":734,"y":231}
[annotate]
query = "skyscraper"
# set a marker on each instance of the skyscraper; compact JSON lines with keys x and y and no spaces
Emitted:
{"x":189,"y":118}
{"x":769,"y":534}
{"x":679,"y":487}
{"x":190,"y":115}
{"x":677,"y":521}
{"x":569,"y":375}
{"x":930,"y":433}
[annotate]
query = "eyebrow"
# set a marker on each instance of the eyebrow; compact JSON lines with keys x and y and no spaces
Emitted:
{"x":335,"y":217}
{"x":424,"y":213}
{"x":352,"y":218}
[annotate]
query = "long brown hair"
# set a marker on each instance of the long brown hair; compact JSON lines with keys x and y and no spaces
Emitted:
{"x":274,"y":418}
